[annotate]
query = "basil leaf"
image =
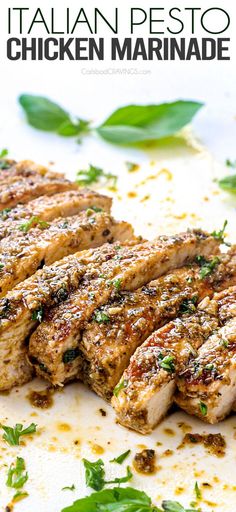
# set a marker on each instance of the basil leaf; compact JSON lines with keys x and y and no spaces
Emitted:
{"x":139,"y":123}
{"x":116,"y":499}
{"x":228,"y":183}
{"x":48,"y":116}
{"x":121,"y":457}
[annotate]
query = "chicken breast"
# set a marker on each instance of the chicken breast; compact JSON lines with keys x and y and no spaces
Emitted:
{"x":47,"y":208}
{"x":133,"y":316}
{"x":207,"y":386}
{"x":21,"y":256}
{"x":145,"y":392}
{"x":23,"y":308}
{"x":17,"y":189}
{"x":56,"y":344}
{"x":25,"y":169}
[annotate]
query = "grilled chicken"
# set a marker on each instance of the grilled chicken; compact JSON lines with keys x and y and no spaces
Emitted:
{"x":23,"y":308}
{"x":56,"y":344}
{"x":133,"y":316}
{"x":47,"y":208}
{"x":25,"y":169}
{"x":21,"y":256}
{"x":17,"y":189}
{"x":207,"y":386}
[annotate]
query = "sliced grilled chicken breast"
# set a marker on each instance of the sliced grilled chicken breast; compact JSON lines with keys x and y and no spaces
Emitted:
{"x":21,"y":256}
{"x":24,"y":169}
{"x":133,"y":316}
{"x":207,"y":386}
{"x":17,"y":189}
{"x":56,"y":344}
{"x":50,"y":207}
{"x":145,"y":392}
{"x":23,"y":308}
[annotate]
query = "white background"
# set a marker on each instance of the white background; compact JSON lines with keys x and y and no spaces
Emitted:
{"x":191,"y":198}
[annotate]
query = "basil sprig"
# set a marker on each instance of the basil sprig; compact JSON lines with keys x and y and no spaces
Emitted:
{"x":127,"y":125}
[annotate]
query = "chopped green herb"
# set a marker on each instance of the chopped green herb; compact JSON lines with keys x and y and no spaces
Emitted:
{"x":3,"y":153}
{"x":70,"y":355}
{"x":33,"y":222}
{"x":203,"y":408}
{"x":228,"y":183}
{"x":4,"y":213}
{"x":37,"y":315}
{"x":20,"y":495}
{"x":101,"y":318}
{"x":12,"y":434}
{"x":121,"y":457}
{"x":95,"y":175}
{"x":121,"y":385}
{"x":1,"y":266}
{"x":69,"y":488}
{"x":220,"y":235}
{"x":230,"y":163}
{"x":123,"y":479}
{"x":189,"y":279}
{"x":224,"y":343}
{"x":197,"y":491}
{"x":94,"y":474}
{"x":174,"y":506}
{"x":207,"y":267}
{"x":167,"y":363}
{"x":209,"y":367}
{"x":117,"y":284}
{"x":95,"y":209}
{"x":17,"y":476}
{"x":188,"y":305}
{"x":132,"y":167}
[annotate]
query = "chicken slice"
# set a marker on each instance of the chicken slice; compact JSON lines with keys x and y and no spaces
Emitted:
{"x":56,"y":344}
{"x":145,"y":392}
{"x":21,"y":256}
{"x":47,"y":208}
{"x":23,"y":308}
{"x":24,"y":169}
{"x":132,"y":316}
{"x":17,"y":189}
{"x":207,"y":386}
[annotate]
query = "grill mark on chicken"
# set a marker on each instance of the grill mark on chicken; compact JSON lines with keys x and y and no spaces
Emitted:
{"x":133,"y":316}
{"x":207,"y":386}
{"x":61,"y":330}
{"x":21,"y":256}
{"x":17,"y":189}
{"x":47,"y":287}
{"x":50,"y":207}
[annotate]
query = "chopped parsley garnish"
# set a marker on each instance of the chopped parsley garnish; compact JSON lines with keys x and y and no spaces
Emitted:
{"x":17,"y":476}
{"x":188,"y":305}
{"x":33,"y":222}
{"x":69,"y":488}
{"x":224,"y":343}
{"x":209,"y":367}
{"x":220,"y":235}
{"x":20,"y":495}
{"x":37,"y":315}
{"x":167,"y":363}
{"x":119,"y":499}
{"x":95,"y":475}
{"x":70,"y":355}
{"x":207,"y":267}
{"x":93,"y":209}
{"x":95,"y":175}
{"x":4,"y":213}
{"x":12,"y":434}
{"x":121,"y":385}
{"x":230,"y":163}
{"x":203,"y":408}
{"x":121,"y":457}
{"x":101,"y":318}
{"x":197,"y":491}
{"x":3,"y":163}
{"x":116,"y":283}
{"x":1,"y":266}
